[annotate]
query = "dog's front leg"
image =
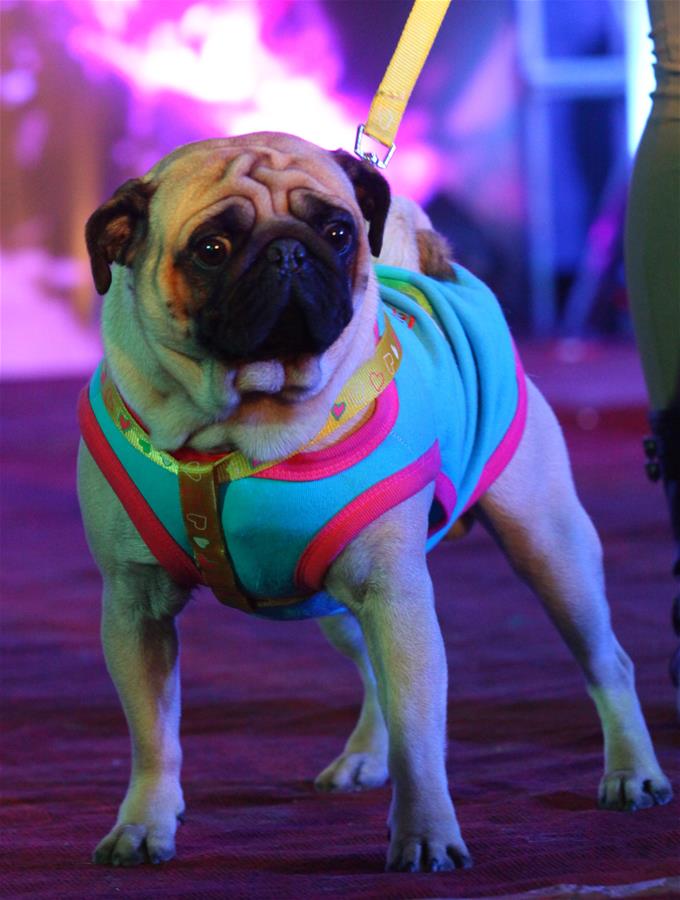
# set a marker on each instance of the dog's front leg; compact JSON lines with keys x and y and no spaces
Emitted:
{"x":406,"y":647}
{"x":142,"y":657}
{"x":140,"y":602}
{"x":383,"y":578}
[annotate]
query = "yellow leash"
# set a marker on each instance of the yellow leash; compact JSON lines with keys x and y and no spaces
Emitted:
{"x":400,"y":77}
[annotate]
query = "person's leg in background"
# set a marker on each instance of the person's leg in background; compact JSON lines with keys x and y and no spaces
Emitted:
{"x":652,"y":252}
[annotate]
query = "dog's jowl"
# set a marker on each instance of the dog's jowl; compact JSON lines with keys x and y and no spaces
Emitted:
{"x":300,"y":395}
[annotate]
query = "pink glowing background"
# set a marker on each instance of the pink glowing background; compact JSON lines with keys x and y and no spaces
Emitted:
{"x":235,"y":67}
{"x":95,"y":91}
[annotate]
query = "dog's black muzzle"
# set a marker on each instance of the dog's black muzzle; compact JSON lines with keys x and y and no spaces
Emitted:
{"x":289,"y":296}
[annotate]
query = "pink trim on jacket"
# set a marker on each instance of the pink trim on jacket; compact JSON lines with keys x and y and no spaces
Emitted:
{"x":163,"y":546}
{"x":332,"y":539}
{"x":504,"y":452}
{"x":315,"y":464}
{"x":445,"y":493}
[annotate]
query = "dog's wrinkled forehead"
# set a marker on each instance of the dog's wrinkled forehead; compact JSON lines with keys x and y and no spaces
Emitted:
{"x":265,"y":178}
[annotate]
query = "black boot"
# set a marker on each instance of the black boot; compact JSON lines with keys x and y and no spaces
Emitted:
{"x":663,"y":461}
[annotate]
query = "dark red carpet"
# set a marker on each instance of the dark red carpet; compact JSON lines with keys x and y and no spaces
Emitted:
{"x":267,"y":705}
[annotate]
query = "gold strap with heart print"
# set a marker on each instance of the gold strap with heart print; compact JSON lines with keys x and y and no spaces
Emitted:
{"x":199,"y":482}
{"x":198,"y":493}
{"x":365,"y":386}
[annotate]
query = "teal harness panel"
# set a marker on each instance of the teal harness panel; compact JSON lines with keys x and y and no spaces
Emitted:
{"x":470,"y":371}
{"x":453,"y":402}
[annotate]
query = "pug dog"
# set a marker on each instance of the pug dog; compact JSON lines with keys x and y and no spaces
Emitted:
{"x":258,"y":365}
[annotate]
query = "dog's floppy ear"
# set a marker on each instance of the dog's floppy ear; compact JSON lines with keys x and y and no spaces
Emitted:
{"x":372,"y":193}
{"x":114,"y":231}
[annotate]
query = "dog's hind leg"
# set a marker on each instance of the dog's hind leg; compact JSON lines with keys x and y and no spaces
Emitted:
{"x":363,"y":762}
{"x":552,"y":544}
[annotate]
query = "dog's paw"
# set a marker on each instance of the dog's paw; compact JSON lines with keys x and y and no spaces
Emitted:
{"x":353,"y":772}
{"x":628,"y":790}
{"x":427,"y":854}
{"x":131,"y":844}
{"x":426,"y":839}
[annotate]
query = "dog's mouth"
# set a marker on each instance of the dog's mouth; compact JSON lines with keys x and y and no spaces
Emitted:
{"x":290,"y":381}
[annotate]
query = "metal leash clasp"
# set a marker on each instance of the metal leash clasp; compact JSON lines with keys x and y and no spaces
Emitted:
{"x":368,"y":155}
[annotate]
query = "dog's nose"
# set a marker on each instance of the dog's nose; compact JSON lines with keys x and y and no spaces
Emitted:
{"x":287,"y":254}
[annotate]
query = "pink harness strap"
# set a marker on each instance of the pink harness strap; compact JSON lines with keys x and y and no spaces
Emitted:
{"x":350,"y":521}
{"x":163,"y":546}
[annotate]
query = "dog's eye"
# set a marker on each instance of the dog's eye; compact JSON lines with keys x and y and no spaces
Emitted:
{"x":339,"y":235}
{"x":211,"y":252}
